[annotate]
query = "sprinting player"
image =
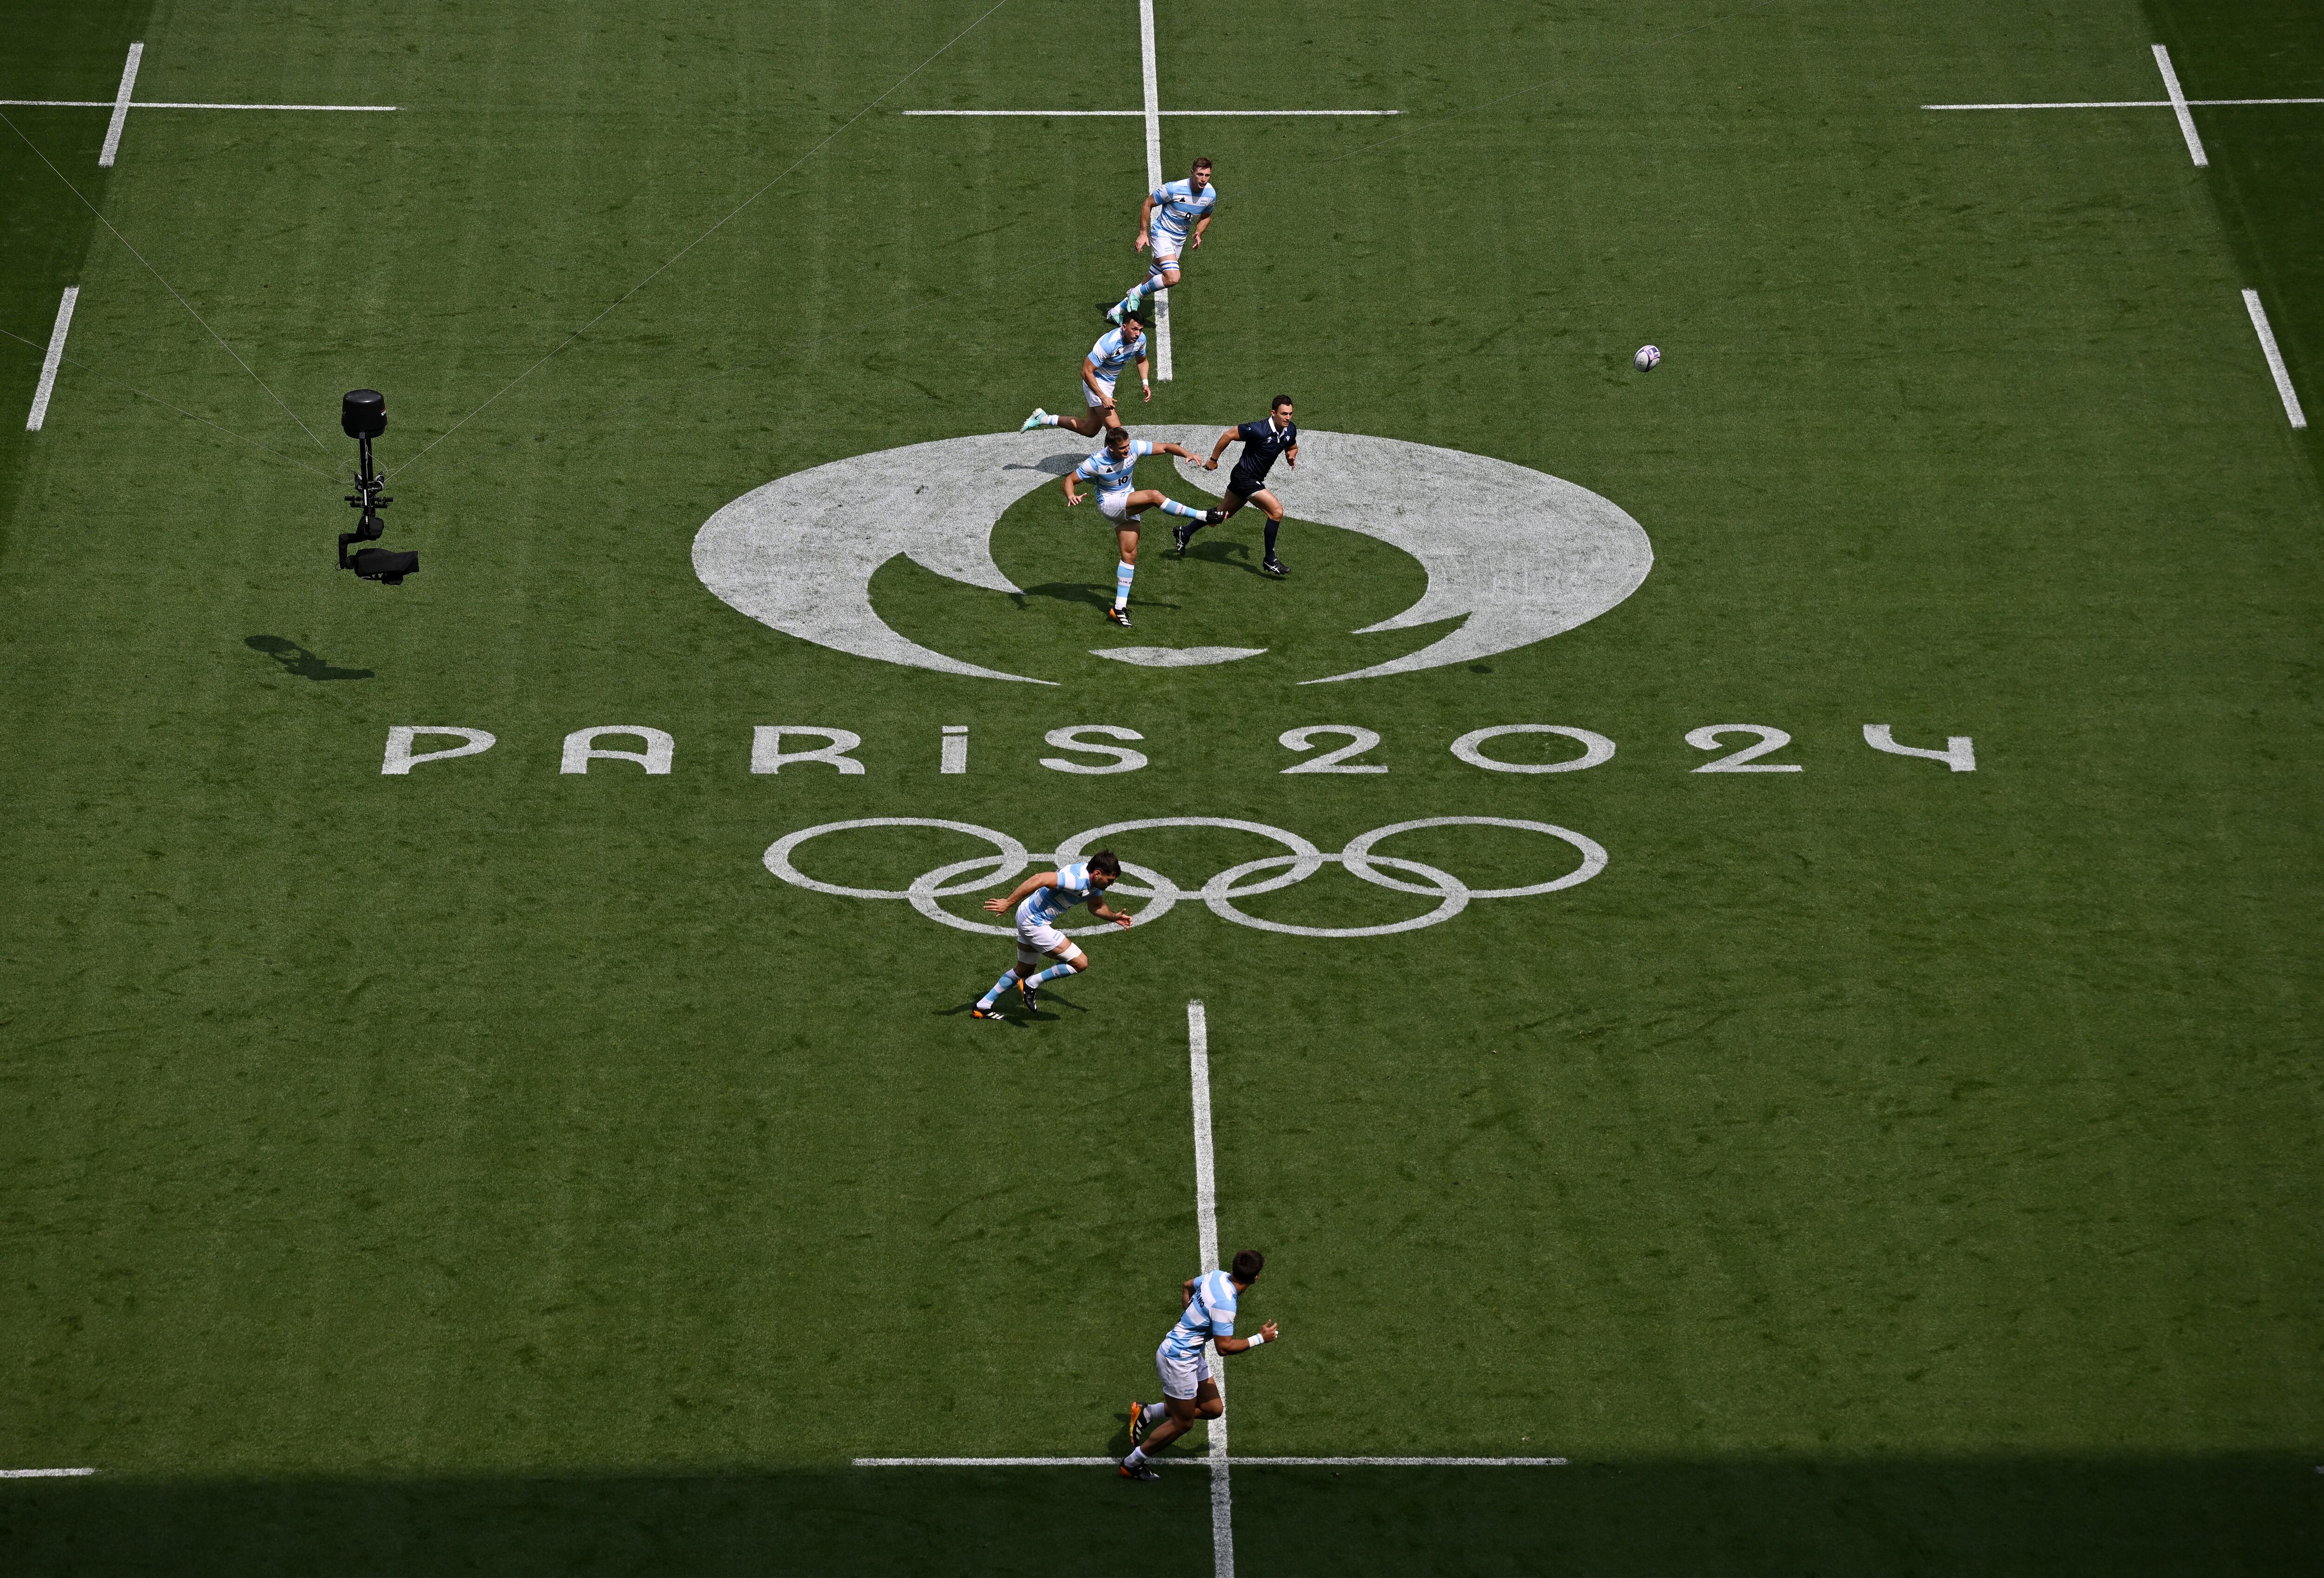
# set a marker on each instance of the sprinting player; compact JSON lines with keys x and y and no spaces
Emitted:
{"x":1110,"y":469}
{"x":1114,"y":350}
{"x":1172,"y":220}
{"x":1038,"y":901}
{"x":1247,"y":484}
{"x":1188,"y":1392}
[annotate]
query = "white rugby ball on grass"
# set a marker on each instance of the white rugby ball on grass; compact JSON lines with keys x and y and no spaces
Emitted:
{"x":1646,"y":357}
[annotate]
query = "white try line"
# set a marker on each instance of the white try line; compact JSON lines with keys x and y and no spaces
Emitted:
{"x":1221,"y":1462}
{"x":50,"y":362}
{"x":2179,"y":104}
{"x":2274,"y":359}
{"x":125,"y":99}
{"x":1262,"y":1463}
{"x":44,"y":1473}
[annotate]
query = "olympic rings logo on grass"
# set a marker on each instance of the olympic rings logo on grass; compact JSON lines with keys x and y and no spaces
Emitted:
{"x":1220,"y":893}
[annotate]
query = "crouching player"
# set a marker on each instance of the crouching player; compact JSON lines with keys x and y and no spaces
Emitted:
{"x":1038,"y":901}
{"x":1188,"y":1392}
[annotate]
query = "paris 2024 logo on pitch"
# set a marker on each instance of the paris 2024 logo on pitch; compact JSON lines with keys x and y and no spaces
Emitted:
{"x":1525,"y":555}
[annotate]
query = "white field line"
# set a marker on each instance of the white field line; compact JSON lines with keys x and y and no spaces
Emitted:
{"x":2268,"y":347}
{"x":44,"y":1473}
{"x":1107,"y":1462}
{"x":1154,"y":173}
{"x":2179,"y":106}
{"x":1206,"y":1229}
{"x":121,"y":106}
{"x":155,"y":104}
{"x":50,"y":362}
{"x":2089,"y":104}
{"x":1132,"y":113}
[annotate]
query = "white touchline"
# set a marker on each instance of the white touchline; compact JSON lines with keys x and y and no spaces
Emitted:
{"x":1206,"y":1233}
{"x":2179,"y":106}
{"x":2086,"y":104}
{"x":121,"y":106}
{"x":44,"y":1473}
{"x":1107,"y":1462}
{"x":1154,"y":176}
{"x":50,"y":362}
{"x":157,"y":104}
{"x":2274,"y":359}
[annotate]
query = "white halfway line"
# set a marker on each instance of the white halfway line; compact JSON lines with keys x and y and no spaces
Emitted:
{"x":44,"y":1473}
{"x":50,"y":362}
{"x":1153,"y":113}
{"x":121,"y":106}
{"x":2274,"y":359}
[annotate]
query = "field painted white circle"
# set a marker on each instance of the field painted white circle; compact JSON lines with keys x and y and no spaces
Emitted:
{"x":1218,"y":893}
{"x":1517,"y":555}
{"x":1595,"y":749}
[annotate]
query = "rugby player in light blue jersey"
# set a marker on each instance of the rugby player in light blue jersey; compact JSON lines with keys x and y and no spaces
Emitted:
{"x":1114,"y":350}
{"x":1188,"y":1392}
{"x":1038,"y":902}
{"x":1172,"y":220}
{"x":1119,"y":503}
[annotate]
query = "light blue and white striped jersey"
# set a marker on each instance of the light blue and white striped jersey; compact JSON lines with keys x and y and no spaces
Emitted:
{"x":1112,"y":476}
{"x":1046,"y":904}
{"x":1211,"y":1313}
{"x":1177,"y":208}
{"x":1111,"y":353}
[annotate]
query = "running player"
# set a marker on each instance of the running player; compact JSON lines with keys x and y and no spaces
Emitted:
{"x":1247,"y":484}
{"x":1188,"y":1392}
{"x":1172,"y":220}
{"x":1114,"y":350}
{"x":1038,"y":901}
{"x":1110,"y":469}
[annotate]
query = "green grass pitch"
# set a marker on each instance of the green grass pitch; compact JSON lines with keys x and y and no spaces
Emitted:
{"x":1877,"y":1168}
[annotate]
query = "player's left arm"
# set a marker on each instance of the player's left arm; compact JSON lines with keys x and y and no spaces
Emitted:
{"x":1144,"y":382}
{"x":1024,"y":889}
{"x":1291,"y":456}
{"x":1266,"y":1334}
{"x":1180,"y":450}
{"x":1201,"y":225}
{"x":1105,"y":911}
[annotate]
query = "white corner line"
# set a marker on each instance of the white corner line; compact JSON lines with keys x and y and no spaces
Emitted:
{"x":49,"y":364}
{"x":2179,"y":108}
{"x":45,"y":1473}
{"x":2267,"y":348}
{"x":121,"y":106}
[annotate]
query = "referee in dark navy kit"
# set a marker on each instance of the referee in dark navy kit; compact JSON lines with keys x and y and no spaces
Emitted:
{"x":1247,"y":484}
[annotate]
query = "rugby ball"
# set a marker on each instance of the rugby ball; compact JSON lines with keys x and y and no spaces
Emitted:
{"x":1646,"y":357}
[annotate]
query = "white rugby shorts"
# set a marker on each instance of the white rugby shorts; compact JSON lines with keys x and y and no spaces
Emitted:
{"x":1039,"y":936}
{"x":1182,"y":1378}
{"x":1091,"y":400}
{"x":1115,"y":505}
{"x":1164,"y":245}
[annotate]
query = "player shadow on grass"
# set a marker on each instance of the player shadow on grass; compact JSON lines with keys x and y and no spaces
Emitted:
{"x":1227,"y":555}
{"x":297,"y":659}
{"x":1055,"y":465}
{"x":1016,"y":1015}
{"x":1093,"y":597}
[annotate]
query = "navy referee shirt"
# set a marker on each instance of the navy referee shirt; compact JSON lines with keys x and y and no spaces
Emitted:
{"x":1261,"y":443}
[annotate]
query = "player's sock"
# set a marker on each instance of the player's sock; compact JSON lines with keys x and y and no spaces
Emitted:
{"x":1121,"y":574}
{"x":1272,"y":527}
{"x":1051,"y":973}
{"x":999,"y":986}
{"x":1137,"y":1455}
{"x":1048,"y":420}
{"x":1172,"y":507}
{"x":1153,"y":1414}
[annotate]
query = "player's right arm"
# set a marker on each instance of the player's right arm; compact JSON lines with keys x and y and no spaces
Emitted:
{"x":1145,"y":223}
{"x":1046,"y":879}
{"x":1089,"y":376}
{"x":1219,"y":448}
{"x":1186,"y":1292}
{"x":1266,"y":1334}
